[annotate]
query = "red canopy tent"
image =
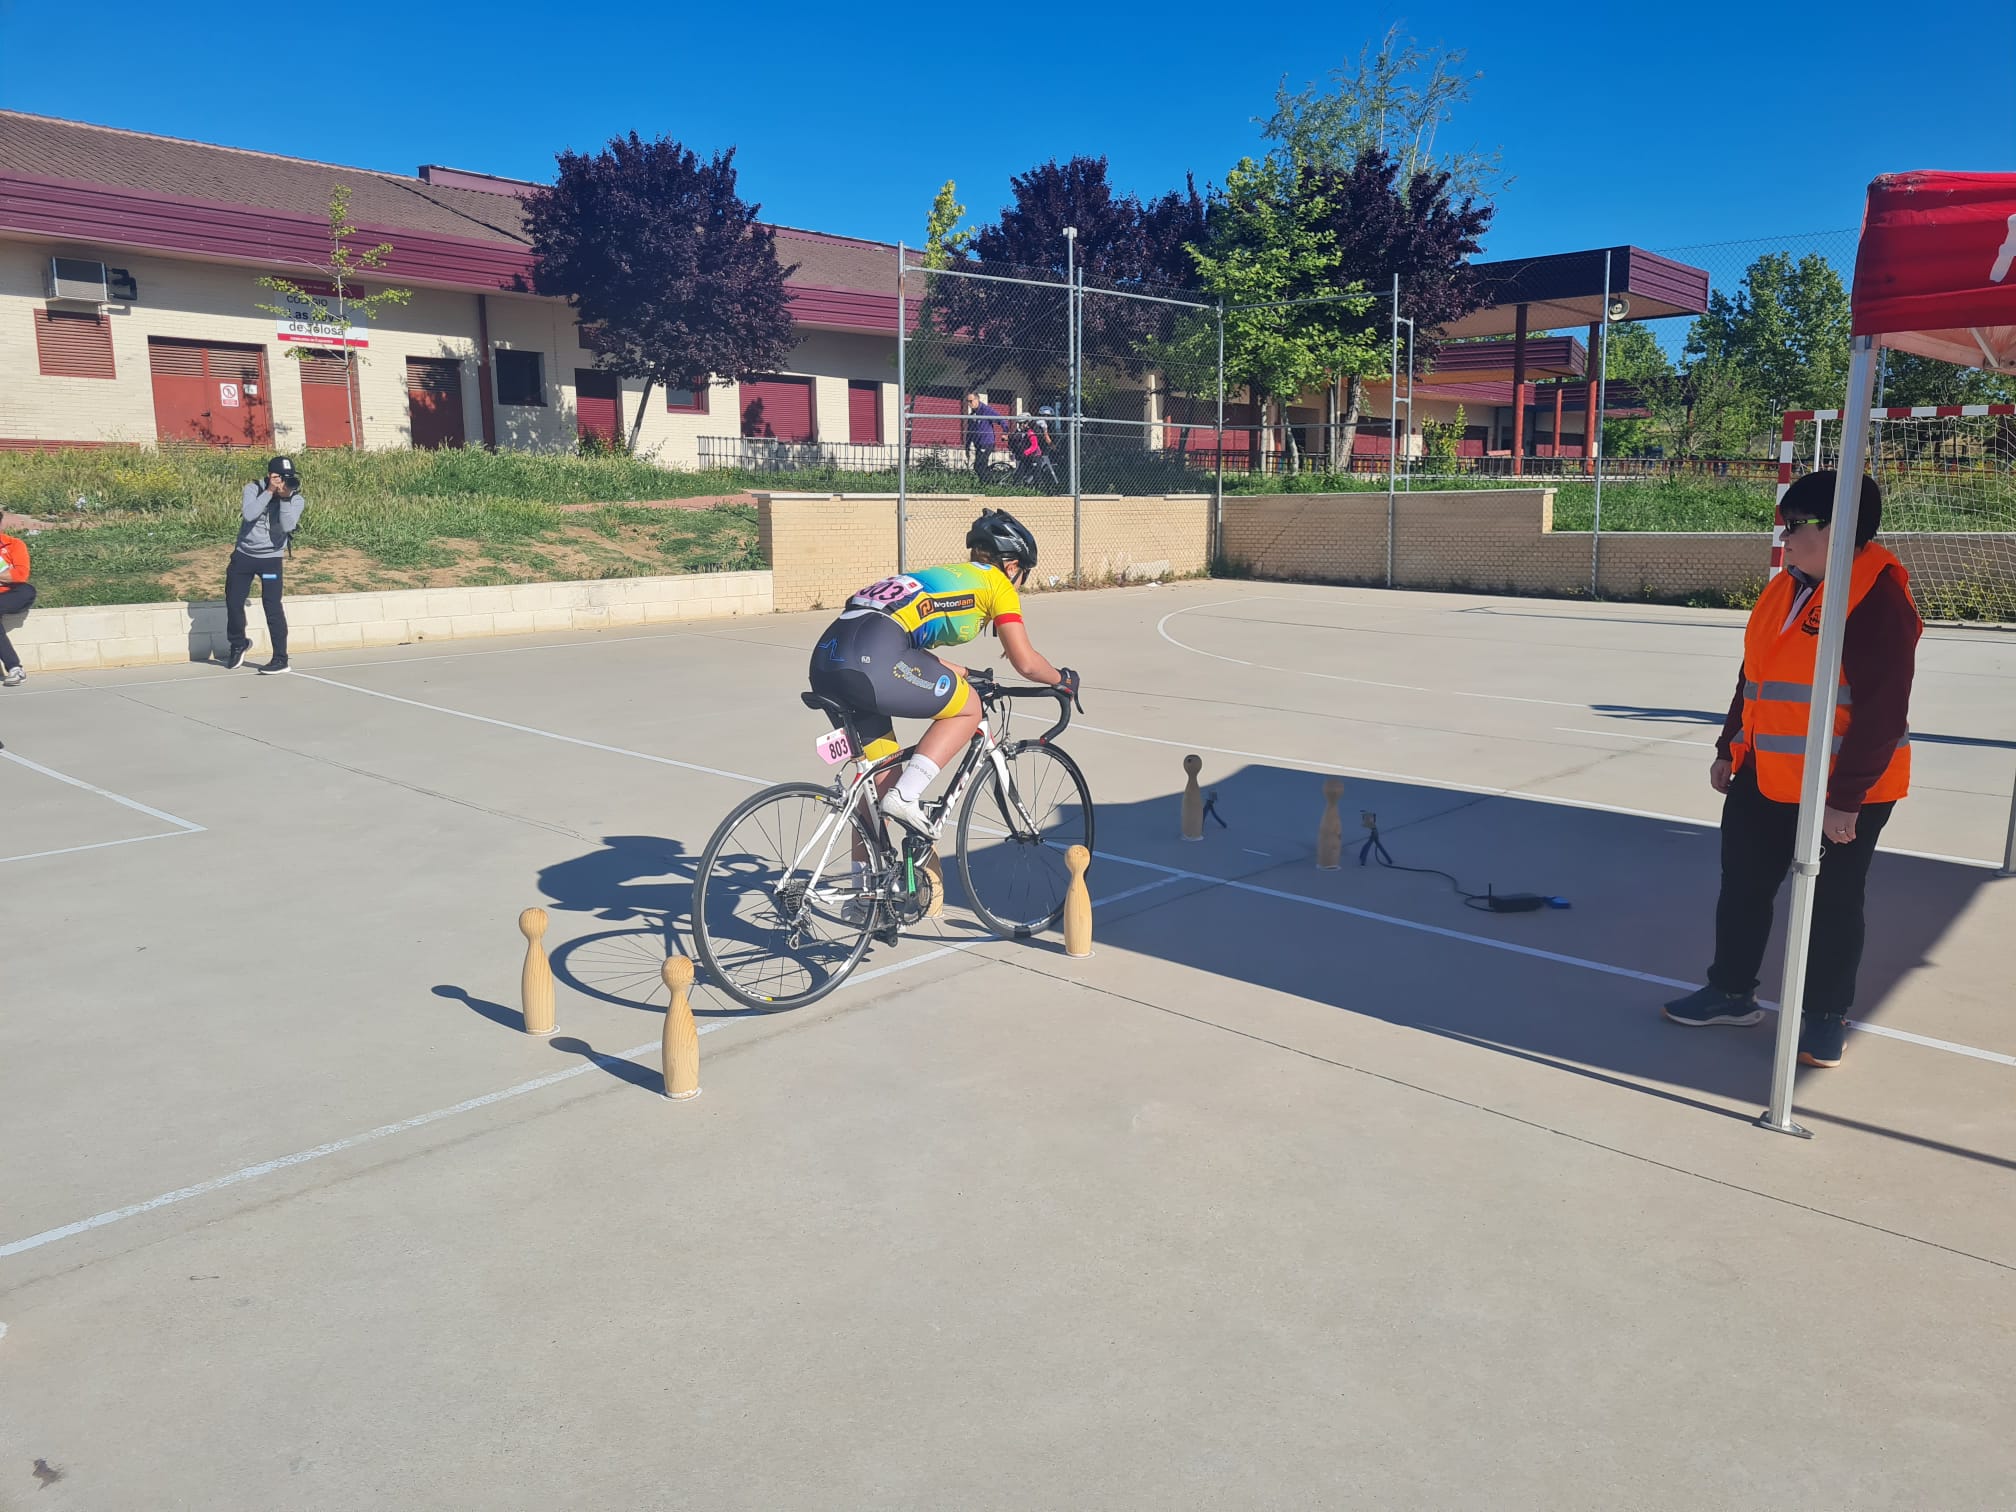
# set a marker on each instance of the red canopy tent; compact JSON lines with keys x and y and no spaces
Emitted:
{"x":1936,"y":271}
{"x":1935,"y":274}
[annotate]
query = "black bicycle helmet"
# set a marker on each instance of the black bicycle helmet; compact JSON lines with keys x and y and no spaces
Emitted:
{"x":1005,"y":536}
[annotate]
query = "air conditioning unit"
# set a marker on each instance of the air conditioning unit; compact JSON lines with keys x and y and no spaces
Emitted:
{"x":74,"y":278}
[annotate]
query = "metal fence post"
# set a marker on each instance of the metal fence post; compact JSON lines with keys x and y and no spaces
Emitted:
{"x":1218,"y":501}
{"x":1076,"y":295}
{"x":1392,"y":423}
{"x":1592,"y":441}
{"x":902,"y":417}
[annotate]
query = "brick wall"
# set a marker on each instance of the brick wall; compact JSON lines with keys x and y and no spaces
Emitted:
{"x":123,"y":635}
{"x":822,"y":547}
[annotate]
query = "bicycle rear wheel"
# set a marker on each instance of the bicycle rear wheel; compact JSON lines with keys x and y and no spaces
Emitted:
{"x":778,"y":919}
{"x":1012,"y":841}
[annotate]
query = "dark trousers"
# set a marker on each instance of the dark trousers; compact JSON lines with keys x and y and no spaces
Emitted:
{"x":238,"y":580}
{"x":14,"y":599}
{"x":1757,"y":841}
{"x":983,"y":454}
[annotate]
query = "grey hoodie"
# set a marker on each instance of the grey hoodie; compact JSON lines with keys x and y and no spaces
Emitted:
{"x":256,"y":537}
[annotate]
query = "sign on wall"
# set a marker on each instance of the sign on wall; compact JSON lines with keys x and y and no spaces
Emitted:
{"x":299,"y":324}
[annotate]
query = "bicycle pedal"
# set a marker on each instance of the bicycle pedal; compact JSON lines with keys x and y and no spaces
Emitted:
{"x":888,"y":934}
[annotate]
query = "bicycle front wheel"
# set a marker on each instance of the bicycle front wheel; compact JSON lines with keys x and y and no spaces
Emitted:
{"x":1012,"y":838}
{"x":778,"y":915}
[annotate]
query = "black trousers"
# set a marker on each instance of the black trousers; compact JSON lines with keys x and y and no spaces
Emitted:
{"x":238,"y":580}
{"x":14,"y":598}
{"x":1757,"y":841}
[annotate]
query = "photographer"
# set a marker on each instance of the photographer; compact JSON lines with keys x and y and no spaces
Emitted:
{"x":272,"y":511}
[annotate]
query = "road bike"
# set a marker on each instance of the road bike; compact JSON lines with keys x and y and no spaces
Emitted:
{"x":800,"y":879}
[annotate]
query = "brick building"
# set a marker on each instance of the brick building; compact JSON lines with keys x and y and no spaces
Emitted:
{"x":129,"y":313}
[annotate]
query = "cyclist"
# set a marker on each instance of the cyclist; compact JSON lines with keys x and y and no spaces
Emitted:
{"x":879,"y":657}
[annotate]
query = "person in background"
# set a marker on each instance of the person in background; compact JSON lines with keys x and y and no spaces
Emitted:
{"x":271,"y":513}
{"x":1760,"y":762}
{"x":987,"y":427}
{"x":16,"y":594}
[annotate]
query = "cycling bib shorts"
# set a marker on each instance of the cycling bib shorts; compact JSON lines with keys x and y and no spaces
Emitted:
{"x":876,"y":657}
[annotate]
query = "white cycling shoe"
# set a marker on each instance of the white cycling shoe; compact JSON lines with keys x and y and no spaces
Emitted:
{"x":905,"y":811}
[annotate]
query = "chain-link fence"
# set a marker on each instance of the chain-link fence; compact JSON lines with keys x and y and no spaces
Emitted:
{"x":1018,"y":383}
{"x":1658,"y":433}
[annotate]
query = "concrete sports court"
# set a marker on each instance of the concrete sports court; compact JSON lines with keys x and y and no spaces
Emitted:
{"x":1307,"y":1189}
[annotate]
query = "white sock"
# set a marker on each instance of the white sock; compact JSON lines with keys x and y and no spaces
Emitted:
{"x":917,"y":774}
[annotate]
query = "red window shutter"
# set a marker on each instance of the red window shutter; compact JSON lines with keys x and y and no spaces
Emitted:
{"x":864,"y":413}
{"x":778,"y":408}
{"x":168,"y":358}
{"x":598,"y":399}
{"x":73,"y":344}
{"x":321,"y":368}
{"x":927,"y":428}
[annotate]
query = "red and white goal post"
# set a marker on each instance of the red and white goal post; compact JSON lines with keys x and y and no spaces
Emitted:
{"x":1947,"y":470}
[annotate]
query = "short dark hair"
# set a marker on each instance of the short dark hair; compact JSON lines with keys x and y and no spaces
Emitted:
{"x":1813,"y":497}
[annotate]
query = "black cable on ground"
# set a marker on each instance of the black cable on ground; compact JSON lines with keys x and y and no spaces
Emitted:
{"x":1488,"y":901}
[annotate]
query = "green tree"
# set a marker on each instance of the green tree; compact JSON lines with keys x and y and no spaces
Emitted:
{"x":944,"y":241}
{"x":1395,"y":99}
{"x":1779,"y":342}
{"x":1272,"y":258}
{"x":336,"y":300}
{"x":1911,"y":379}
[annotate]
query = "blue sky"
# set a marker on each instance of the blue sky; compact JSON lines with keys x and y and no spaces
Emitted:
{"x":1669,"y":127}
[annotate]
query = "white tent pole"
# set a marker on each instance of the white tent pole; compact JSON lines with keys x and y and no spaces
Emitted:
{"x":1820,"y":730}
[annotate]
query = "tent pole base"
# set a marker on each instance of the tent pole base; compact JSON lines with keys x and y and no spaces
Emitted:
{"x":1796,"y":1130}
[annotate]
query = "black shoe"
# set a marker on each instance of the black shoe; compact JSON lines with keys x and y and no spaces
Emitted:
{"x":1711,"y":1005}
{"x":1820,"y":1040}
{"x":234,"y":657}
{"x":278,"y":664}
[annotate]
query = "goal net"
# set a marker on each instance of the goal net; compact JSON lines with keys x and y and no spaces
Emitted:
{"x":1949,"y":498}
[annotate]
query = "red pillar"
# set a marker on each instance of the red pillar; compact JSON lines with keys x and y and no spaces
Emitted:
{"x":1558,"y":387}
{"x":1519,"y":395}
{"x":1592,"y":427}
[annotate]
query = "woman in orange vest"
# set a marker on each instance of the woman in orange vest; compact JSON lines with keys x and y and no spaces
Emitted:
{"x":1760,"y":761}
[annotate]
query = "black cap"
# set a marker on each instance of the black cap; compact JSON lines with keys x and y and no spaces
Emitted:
{"x":1812,"y":497}
{"x":281,"y":465}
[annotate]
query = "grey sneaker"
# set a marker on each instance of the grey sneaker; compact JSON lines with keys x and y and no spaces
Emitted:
{"x":1711,"y":1005}
{"x":234,"y":658}
{"x":13,"y":678}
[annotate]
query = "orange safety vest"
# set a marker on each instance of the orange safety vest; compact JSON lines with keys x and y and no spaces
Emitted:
{"x":1778,"y":668}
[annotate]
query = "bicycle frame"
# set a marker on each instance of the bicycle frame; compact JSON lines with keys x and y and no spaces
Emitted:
{"x":985,"y":744}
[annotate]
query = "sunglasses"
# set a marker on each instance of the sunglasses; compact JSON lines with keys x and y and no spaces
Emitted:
{"x":1798,"y":522}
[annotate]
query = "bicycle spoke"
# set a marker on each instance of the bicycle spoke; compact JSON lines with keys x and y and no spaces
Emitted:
{"x":777,"y":882}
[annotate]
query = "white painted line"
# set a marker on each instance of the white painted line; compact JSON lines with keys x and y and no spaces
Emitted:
{"x":584,"y":638}
{"x":505,"y":724}
{"x":71,"y":850}
{"x":1162,"y":629}
{"x":1706,"y":745}
{"x":1252,"y":852}
{"x":1106,"y":899}
{"x":90,"y":787}
{"x":386,"y":1131}
{"x":1533,"y":952}
{"x":1415,"y":779}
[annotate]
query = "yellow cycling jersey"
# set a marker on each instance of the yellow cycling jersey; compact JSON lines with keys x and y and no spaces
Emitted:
{"x":944,"y":606}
